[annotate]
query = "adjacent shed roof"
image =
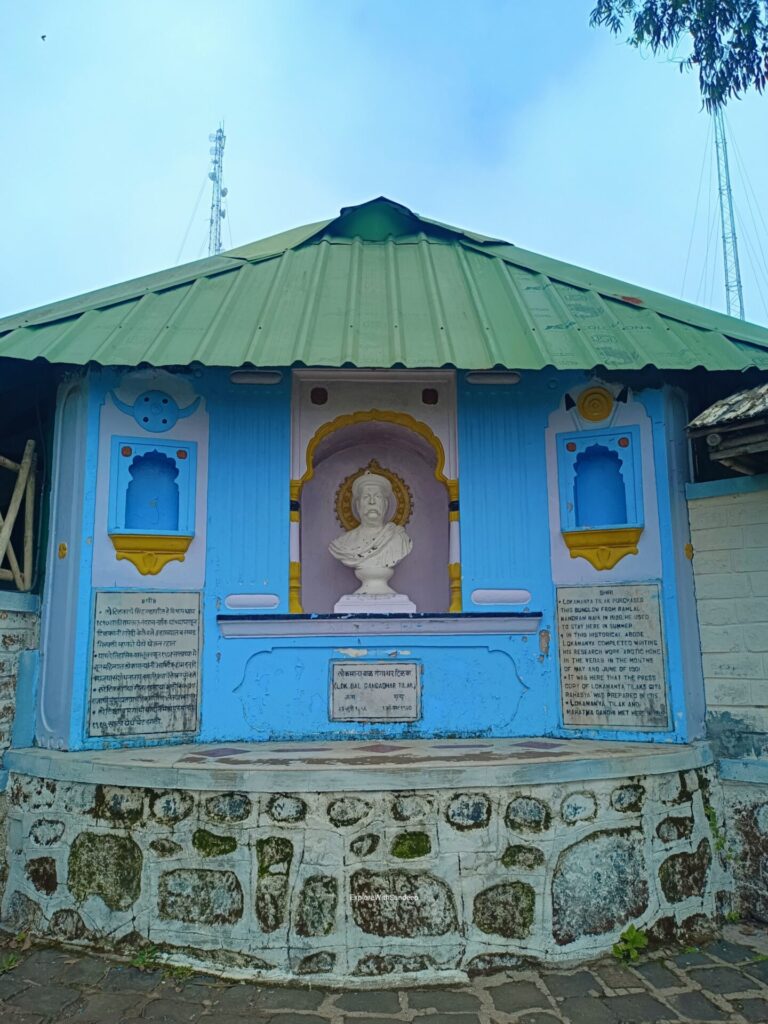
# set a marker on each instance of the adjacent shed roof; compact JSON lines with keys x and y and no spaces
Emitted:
{"x":379,"y":286}
{"x":741,"y":408}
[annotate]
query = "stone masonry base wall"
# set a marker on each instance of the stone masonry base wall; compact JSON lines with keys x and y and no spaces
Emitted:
{"x":18,"y":632}
{"x":365,"y":884}
{"x":746,"y":815}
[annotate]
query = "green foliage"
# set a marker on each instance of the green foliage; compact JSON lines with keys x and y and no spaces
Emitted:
{"x":632,"y":942}
{"x":146,"y":959}
{"x":727,"y":39}
{"x":177,"y":972}
{"x":733,"y":916}
{"x":8,"y":962}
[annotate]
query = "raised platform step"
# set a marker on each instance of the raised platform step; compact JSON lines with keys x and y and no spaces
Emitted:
{"x":359,"y":765}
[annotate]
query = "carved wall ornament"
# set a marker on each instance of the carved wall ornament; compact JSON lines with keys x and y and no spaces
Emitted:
{"x":155,"y":411}
{"x":595,"y":404}
{"x":403,"y":497}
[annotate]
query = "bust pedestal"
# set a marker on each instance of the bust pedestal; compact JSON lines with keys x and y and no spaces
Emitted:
{"x":374,"y":596}
{"x":375,"y":604}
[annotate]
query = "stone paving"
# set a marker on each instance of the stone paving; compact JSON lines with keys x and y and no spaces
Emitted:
{"x":726,"y":981}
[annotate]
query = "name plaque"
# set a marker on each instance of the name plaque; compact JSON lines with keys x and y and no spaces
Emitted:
{"x":612,"y":656}
{"x":375,"y":691}
{"x":145,"y":664}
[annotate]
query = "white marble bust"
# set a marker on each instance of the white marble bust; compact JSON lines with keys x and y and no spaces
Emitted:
{"x":373,"y":548}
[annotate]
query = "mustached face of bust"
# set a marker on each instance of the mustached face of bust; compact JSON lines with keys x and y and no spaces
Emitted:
{"x":371,"y":504}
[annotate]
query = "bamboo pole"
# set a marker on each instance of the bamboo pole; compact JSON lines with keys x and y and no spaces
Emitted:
{"x":18,"y":493}
{"x":29,"y":525}
{"x":7,"y":464}
{"x":14,"y":573}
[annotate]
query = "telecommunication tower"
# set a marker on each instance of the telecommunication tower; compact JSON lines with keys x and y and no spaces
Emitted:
{"x":218,"y":192}
{"x":734,"y":298}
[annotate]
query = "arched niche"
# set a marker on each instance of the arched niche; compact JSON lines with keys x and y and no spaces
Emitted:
{"x":152,"y":496}
{"x":600,"y":495}
{"x":423,"y":575}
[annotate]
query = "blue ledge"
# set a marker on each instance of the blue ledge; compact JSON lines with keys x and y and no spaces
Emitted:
{"x":423,"y":623}
{"x":13,"y":601}
{"x":744,"y":769}
{"x":720,"y":488}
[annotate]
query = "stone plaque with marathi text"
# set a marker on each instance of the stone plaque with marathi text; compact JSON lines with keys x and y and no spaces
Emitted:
{"x":145,"y":664}
{"x":375,"y":691}
{"x":612,"y":657}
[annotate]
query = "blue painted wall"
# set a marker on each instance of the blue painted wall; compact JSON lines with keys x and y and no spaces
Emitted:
{"x":472,"y":685}
{"x":248,"y":524}
{"x":278,"y":689}
{"x":667,"y":411}
{"x":505,"y":518}
{"x":248,"y":487}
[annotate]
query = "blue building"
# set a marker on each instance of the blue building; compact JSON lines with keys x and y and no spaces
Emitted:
{"x":194,"y":688}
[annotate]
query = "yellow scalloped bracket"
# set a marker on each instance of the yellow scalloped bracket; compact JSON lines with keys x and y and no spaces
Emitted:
{"x":603,"y":548}
{"x":150,"y":553}
{"x":595,"y":404}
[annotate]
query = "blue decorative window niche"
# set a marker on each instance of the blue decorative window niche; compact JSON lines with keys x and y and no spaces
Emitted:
{"x":152,"y":501}
{"x":601,"y":493}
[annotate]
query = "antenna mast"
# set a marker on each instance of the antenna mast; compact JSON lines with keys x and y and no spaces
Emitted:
{"x":734,"y":298}
{"x":218,"y":192}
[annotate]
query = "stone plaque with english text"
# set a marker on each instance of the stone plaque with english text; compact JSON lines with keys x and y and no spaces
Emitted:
{"x":612,"y":672}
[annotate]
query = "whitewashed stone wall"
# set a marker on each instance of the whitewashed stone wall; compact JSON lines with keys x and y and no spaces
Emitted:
{"x":366,"y":884}
{"x":730,"y":541}
{"x":19,"y":632}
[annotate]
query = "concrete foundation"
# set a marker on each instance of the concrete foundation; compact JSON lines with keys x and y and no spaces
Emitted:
{"x":443,"y":856}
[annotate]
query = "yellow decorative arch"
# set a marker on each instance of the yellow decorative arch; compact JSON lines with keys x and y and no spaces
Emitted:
{"x":400,"y":419}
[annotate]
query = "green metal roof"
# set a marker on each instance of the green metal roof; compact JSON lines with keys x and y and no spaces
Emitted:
{"x":380,"y":286}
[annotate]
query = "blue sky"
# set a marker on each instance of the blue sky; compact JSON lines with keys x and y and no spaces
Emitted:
{"x":505,"y":116}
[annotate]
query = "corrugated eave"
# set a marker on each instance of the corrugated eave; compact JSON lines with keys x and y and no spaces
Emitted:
{"x":415,"y":301}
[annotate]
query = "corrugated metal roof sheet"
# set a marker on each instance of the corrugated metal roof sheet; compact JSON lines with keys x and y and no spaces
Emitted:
{"x":379,"y":286}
